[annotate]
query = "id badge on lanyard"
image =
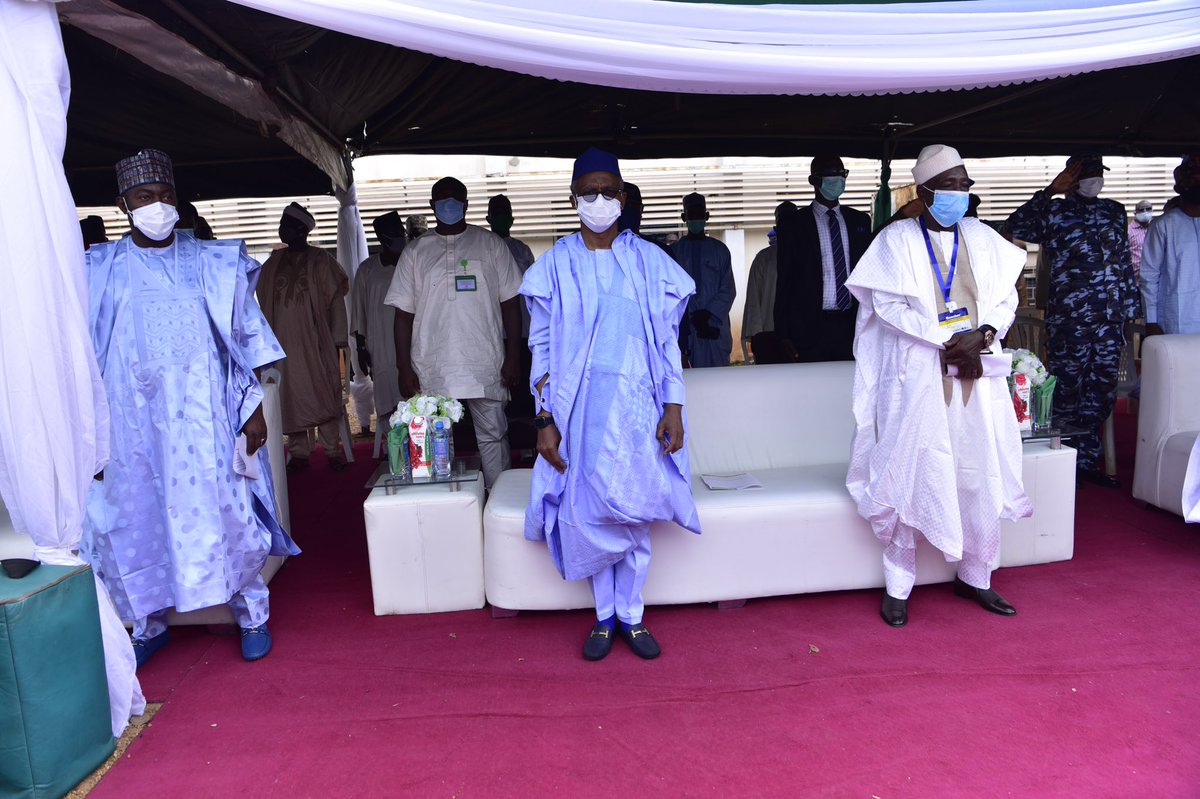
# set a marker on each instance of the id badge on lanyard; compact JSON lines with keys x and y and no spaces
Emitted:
{"x":955,"y":319}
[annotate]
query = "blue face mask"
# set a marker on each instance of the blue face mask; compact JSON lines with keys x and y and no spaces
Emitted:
{"x":449,"y":211}
{"x":832,"y":187}
{"x":949,"y":207}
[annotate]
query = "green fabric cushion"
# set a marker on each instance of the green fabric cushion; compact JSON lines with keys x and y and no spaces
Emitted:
{"x":55,"y":727}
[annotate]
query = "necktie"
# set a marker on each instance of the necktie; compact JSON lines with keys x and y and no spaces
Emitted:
{"x":839,"y":261}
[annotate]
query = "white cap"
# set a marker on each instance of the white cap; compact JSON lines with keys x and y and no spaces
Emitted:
{"x":933,"y":161}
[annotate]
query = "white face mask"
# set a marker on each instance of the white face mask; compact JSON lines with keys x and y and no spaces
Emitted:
{"x":1144,"y":216}
{"x":600,"y":214}
{"x":1090,"y":187}
{"x":156,"y":220}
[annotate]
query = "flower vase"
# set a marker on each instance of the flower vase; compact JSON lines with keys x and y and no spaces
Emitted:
{"x":399,"y":463}
{"x":1042,"y":400}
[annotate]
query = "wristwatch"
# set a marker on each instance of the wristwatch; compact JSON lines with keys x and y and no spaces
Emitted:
{"x":989,"y":334}
{"x":541,"y":422}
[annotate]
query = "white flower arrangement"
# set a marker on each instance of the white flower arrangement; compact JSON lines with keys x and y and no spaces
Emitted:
{"x":1026,"y":363}
{"x":430,"y":406}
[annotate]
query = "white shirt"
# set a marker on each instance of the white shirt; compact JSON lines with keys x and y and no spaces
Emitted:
{"x":1170,"y":274}
{"x":828,"y":273}
{"x":458,"y":334}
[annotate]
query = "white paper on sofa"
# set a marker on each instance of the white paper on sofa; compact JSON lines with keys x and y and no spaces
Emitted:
{"x":730,"y":482}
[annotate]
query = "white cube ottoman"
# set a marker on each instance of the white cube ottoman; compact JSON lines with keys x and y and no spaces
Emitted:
{"x":425,"y":544}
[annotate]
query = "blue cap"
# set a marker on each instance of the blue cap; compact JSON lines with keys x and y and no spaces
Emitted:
{"x":595,"y":160}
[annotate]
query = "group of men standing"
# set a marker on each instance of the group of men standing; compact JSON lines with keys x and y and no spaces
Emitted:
{"x":610,"y":319}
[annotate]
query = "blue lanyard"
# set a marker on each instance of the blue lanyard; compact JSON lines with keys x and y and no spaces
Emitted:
{"x":937,"y":270}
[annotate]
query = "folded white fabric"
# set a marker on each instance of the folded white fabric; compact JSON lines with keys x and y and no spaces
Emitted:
{"x":995,"y":364}
{"x":244,"y":464}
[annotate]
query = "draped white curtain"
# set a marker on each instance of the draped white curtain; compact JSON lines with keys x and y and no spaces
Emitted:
{"x":864,"y":48}
{"x":53,"y":414}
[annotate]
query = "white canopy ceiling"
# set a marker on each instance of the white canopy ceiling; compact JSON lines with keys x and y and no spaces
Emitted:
{"x":794,"y":48}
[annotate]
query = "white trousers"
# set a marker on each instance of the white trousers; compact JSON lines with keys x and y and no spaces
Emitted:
{"x":491,"y":432}
{"x":900,"y":569}
{"x":362,"y":391}
{"x":618,"y":589}
{"x":251,"y":607}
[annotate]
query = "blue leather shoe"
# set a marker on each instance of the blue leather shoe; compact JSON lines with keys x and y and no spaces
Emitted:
{"x":144,"y":648}
{"x":640,"y":641}
{"x":256,"y":643}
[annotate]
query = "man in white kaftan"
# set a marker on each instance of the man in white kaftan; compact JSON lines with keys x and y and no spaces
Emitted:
{"x":604,"y":313}
{"x":373,"y":321}
{"x":183,"y":515}
{"x":936,"y":452}
{"x":458,"y":320}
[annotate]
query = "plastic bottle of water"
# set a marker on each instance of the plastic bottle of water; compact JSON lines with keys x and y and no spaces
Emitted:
{"x":441,"y":450}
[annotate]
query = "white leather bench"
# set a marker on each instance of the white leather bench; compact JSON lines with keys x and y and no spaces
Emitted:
{"x":800,"y":533}
{"x":1168,"y":418}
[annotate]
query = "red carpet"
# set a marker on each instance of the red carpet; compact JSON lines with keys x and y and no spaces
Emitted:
{"x":1090,"y":691}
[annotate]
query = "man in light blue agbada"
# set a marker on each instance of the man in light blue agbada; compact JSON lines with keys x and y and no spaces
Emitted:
{"x":707,"y":338}
{"x":604,"y":313}
{"x":183,"y":515}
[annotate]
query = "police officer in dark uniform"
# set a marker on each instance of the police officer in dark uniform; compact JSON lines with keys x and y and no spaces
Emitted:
{"x":1093,"y":293}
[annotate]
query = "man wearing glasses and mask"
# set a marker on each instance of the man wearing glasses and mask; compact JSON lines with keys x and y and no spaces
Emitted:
{"x":818,"y":248}
{"x":605,"y":308}
{"x":458,"y":320}
{"x":936,"y":450}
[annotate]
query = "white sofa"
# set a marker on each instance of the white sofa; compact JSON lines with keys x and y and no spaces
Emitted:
{"x":800,"y":533}
{"x":1168,"y":418}
{"x":18,"y":545}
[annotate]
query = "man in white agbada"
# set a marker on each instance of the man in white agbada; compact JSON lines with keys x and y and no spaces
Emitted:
{"x":936,"y":452}
{"x":372,"y":321}
{"x":453,"y":289}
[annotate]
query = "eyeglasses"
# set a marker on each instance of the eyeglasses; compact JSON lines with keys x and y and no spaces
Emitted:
{"x":835,"y":173}
{"x":591,"y":195}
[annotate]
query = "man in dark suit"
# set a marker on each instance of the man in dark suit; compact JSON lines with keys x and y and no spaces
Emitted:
{"x":818,"y":247}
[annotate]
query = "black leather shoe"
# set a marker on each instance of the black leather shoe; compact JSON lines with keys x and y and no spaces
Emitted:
{"x":1097,"y":477}
{"x":986,"y":597}
{"x":640,"y":641}
{"x":894,"y":611}
{"x":599,"y":642}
